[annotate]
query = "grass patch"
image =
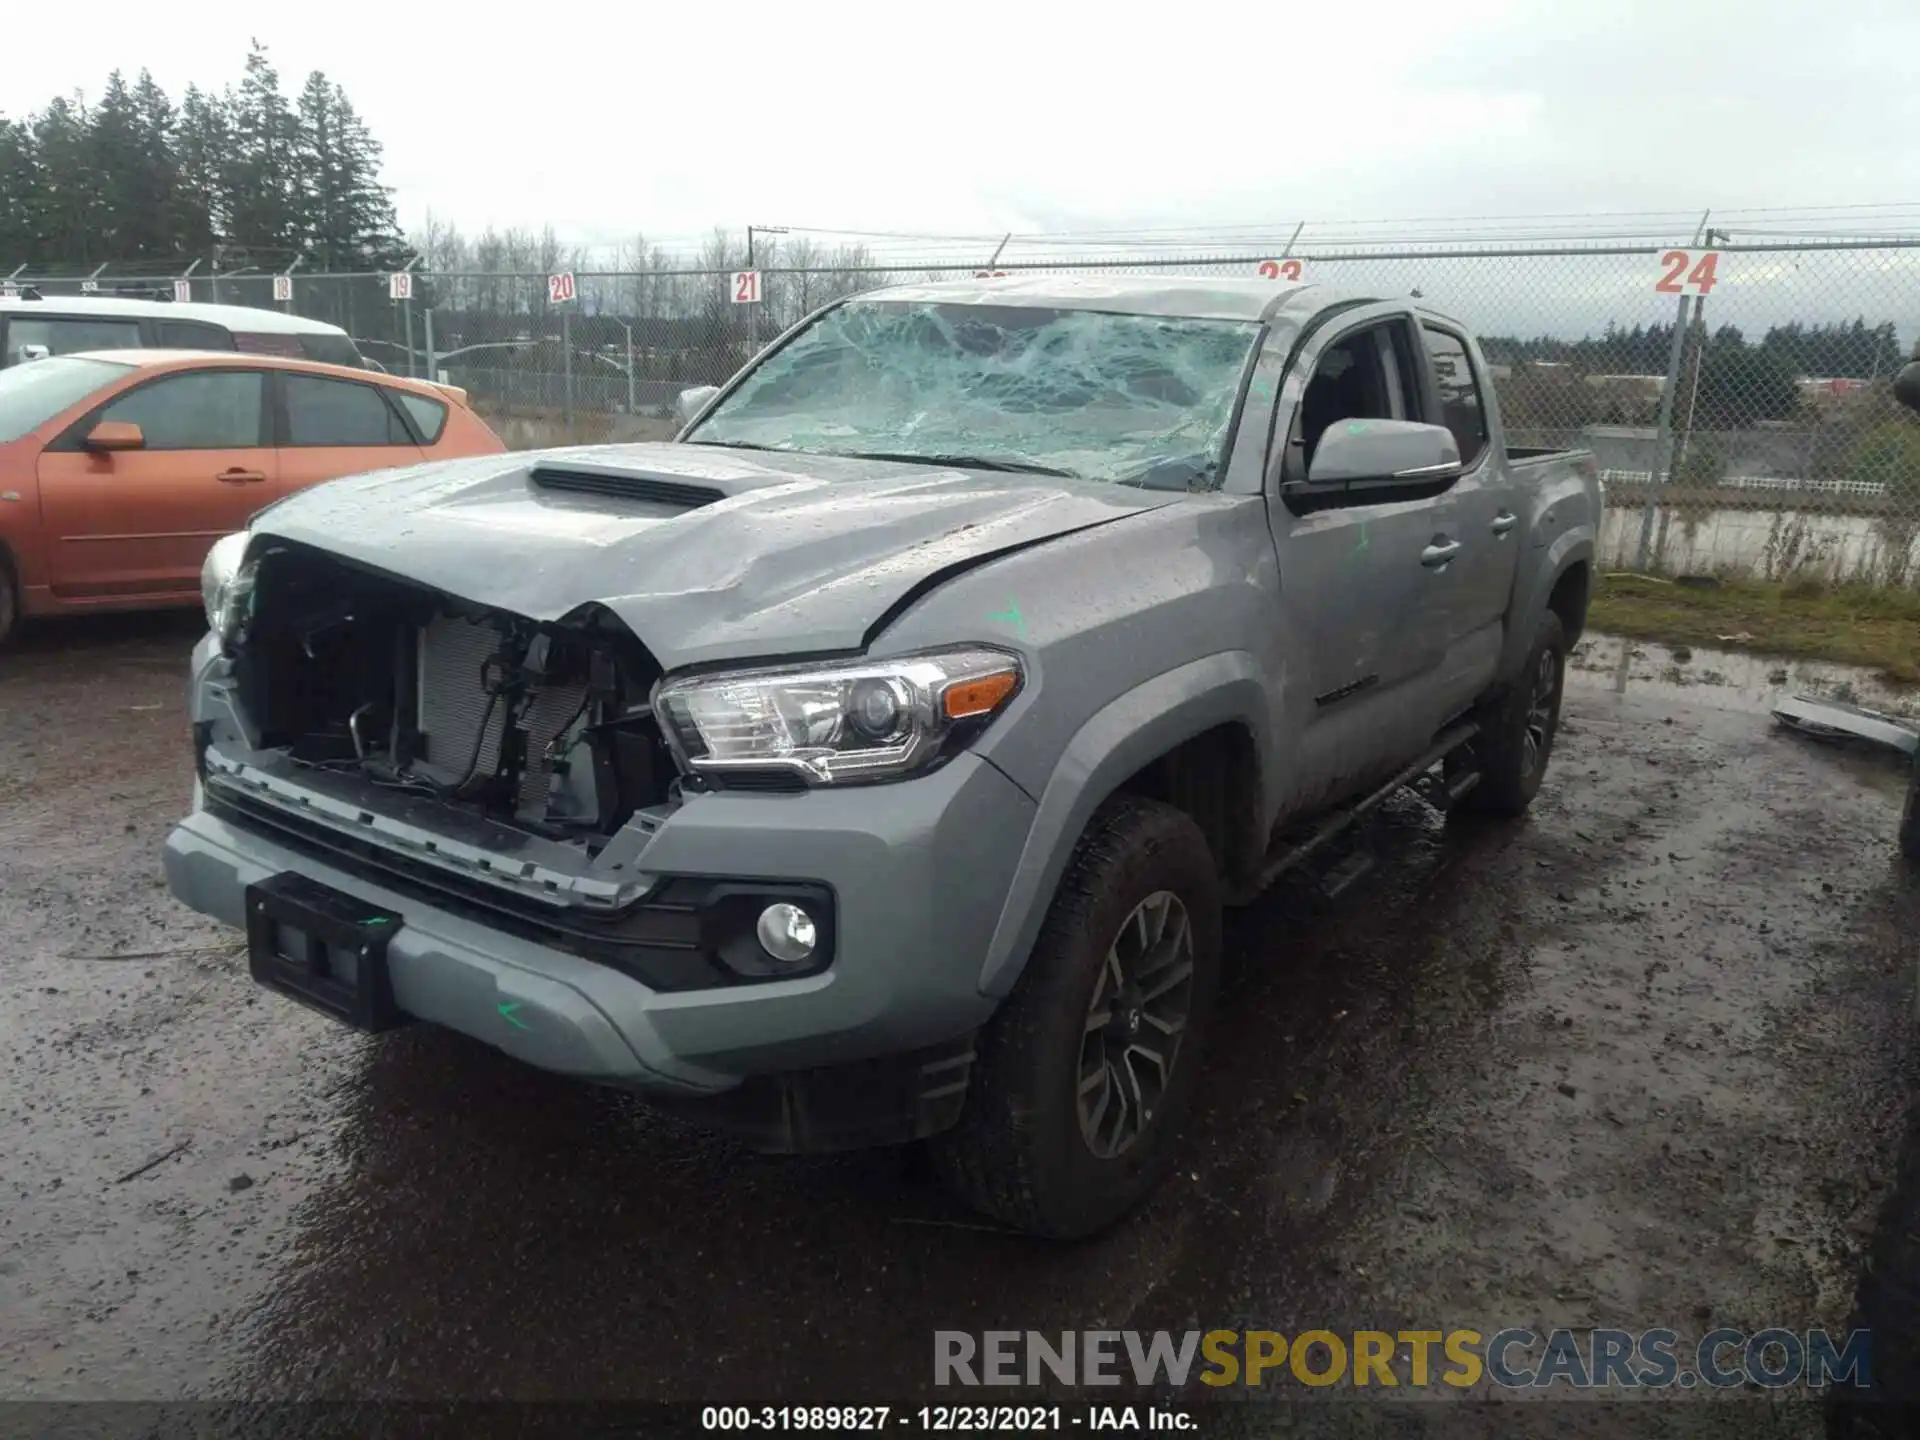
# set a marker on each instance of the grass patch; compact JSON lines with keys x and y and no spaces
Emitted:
{"x":1878,"y":628}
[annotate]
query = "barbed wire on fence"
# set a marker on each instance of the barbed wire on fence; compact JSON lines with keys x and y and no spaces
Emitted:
{"x":1740,"y":416}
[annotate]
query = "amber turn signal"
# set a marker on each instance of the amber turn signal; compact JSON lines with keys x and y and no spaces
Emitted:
{"x":978,"y":697}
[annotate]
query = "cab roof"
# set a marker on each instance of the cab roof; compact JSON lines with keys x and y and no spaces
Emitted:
{"x":1189,"y":297}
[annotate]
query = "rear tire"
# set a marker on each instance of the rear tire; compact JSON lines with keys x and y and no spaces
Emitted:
{"x":1517,"y":728}
{"x":1084,"y":1076}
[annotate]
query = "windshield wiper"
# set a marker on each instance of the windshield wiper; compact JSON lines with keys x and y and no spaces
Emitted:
{"x":742,"y":445}
{"x":970,"y":462}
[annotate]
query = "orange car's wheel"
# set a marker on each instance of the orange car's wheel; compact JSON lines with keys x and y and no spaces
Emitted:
{"x":9,"y":601}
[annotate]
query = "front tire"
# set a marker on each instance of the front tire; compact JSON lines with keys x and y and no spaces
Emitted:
{"x":1083,"y":1078}
{"x":1517,"y":729}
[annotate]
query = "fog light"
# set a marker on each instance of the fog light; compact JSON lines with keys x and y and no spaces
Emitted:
{"x":786,"y":933}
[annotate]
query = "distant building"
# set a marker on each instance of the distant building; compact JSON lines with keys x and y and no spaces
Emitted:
{"x":1627,"y":382}
{"x":1821,"y":392}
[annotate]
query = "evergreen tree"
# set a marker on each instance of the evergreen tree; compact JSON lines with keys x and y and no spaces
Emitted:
{"x":179,"y":220}
{"x":260,"y":174}
{"x":203,"y":142}
{"x":20,"y":198}
{"x":68,"y":218}
{"x":125,"y":224}
{"x":345,"y":215}
{"x":243,"y":172}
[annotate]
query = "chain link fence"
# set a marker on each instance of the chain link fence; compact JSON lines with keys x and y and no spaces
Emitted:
{"x":1736,"y":394}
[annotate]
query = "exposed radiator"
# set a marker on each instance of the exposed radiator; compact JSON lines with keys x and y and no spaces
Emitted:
{"x":454,"y":705}
{"x":454,"y":701}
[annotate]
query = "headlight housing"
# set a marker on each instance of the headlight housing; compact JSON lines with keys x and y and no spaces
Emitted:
{"x":226,"y":586}
{"x":838,"y":724}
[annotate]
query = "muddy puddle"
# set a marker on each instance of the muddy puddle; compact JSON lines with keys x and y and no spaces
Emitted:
{"x":1730,"y":679}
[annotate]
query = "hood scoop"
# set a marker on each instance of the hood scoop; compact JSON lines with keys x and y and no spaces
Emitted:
{"x":586,"y":478}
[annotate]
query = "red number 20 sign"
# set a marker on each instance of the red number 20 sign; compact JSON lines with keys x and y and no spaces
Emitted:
{"x":1280,"y":269}
{"x":1685,"y":273}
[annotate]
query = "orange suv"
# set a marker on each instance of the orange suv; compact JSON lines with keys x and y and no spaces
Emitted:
{"x":118,"y":469}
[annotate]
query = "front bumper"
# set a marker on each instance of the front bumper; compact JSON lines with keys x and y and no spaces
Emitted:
{"x":920,"y":871}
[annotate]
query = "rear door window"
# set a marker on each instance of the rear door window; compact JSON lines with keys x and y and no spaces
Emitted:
{"x":254,"y":342}
{"x":197,"y":410}
{"x":339,"y":412}
{"x":429,"y":416}
{"x":1461,"y":410}
{"x":68,"y":335}
{"x":332,"y":350}
{"x":192,"y":335}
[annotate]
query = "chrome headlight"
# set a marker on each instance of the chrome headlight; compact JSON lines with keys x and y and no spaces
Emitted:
{"x":831,"y":724}
{"x":226,"y":586}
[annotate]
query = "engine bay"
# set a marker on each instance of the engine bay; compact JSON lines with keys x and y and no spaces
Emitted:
{"x":545,"y":727}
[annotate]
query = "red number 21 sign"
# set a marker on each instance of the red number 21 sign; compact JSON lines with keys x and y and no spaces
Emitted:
{"x":1685,"y":272}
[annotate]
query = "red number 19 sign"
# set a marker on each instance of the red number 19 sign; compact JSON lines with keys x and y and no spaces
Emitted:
{"x":1686,"y":273}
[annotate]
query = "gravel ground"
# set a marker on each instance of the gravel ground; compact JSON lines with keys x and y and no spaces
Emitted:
{"x":1641,"y":1060}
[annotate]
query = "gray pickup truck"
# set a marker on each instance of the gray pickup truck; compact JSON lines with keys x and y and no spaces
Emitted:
{"x":872,"y":763}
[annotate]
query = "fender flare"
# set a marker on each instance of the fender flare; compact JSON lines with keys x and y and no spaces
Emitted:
{"x":1121,"y":737}
{"x":1572,"y":547}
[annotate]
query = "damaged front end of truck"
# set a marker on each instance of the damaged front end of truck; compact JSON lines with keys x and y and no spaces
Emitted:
{"x":509,"y":768}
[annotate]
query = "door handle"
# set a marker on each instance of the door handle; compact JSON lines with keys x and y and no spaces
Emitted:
{"x":1436,"y":555}
{"x":240,"y":477}
{"x":1504,"y":521}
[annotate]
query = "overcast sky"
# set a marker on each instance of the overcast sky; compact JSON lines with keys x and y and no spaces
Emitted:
{"x":603,"y":119}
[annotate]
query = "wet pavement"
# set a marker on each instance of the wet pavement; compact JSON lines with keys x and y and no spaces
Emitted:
{"x":1640,"y":1060}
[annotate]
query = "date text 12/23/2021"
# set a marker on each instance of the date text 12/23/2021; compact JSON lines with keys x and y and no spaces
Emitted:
{"x":963,"y":1419}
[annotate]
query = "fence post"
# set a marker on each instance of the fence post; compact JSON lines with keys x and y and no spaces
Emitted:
{"x":629,"y":330}
{"x":1663,"y":435}
{"x":566,"y":362}
{"x":753,"y":311}
{"x":426,"y":325}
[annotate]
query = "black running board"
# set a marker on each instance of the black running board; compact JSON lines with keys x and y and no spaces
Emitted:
{"x":1285,"y":856}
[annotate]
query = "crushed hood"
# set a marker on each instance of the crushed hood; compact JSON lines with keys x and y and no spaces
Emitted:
{"x":800,"y":554}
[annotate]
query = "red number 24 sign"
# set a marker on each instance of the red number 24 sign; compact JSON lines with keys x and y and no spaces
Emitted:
{"x":1685,"y":273}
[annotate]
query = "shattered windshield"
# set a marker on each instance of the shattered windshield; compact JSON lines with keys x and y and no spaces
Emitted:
{"x":1141,"y":399}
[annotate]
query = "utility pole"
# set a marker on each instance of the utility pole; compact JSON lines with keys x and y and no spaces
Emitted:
{"x":1698,"y":330}
{"x":1663,"y":436}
